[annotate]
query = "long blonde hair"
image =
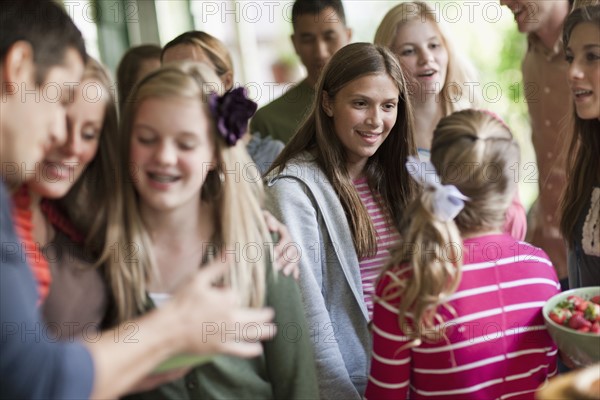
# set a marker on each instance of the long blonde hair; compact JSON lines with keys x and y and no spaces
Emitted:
{"x":237,"y":198}
{"x":459,"y":72}
{"x":385,"y":170}
{"x":474,"y":151}
{"x":93,"y":203}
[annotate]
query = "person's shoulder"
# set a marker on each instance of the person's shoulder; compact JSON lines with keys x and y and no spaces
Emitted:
{"x":292,"y":97}
{"x":302,"y":166}
{"x":528,"y":252}
{"x":271,"y":118}
{"x":265,"y":145}
{"x":507,"y":249}
{"x":299,"y":182}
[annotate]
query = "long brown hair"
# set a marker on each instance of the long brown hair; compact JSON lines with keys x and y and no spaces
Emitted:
{"x":129,"y":68}
{"x":385,"y":170}
{"x":583,"y":163}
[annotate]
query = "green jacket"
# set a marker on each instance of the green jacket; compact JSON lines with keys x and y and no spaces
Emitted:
{"x":281,"y":118}
{"x":285,"y":370}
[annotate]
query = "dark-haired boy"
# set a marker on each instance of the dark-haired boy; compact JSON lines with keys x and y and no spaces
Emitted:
{"x":319,"y":32}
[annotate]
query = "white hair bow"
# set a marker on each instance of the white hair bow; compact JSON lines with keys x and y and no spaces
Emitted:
{"x":448,"y":201}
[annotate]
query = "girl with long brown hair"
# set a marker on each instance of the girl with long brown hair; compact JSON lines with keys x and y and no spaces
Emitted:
{"x":341,"y":187}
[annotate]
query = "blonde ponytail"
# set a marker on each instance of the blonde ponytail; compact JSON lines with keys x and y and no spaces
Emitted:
{"x":426,"y":268}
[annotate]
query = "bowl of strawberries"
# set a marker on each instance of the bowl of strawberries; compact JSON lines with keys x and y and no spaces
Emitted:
{"x":573,"y":321}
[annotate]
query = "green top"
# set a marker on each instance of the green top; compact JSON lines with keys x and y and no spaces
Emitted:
{"x":281,"y":118}
{"x":286,"y":369}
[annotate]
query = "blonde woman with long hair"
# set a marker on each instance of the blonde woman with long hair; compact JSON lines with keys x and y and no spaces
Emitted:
{"x":439,"y":77}
{"x":437,"y":74}
{"x":185,"y":204}
{"x":458,"y":311}
{"x":63,"y":215}
{"x":202,"y":47}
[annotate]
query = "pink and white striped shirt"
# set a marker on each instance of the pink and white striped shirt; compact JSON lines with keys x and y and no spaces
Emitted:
{"x":496,"y":344}
{"x":387,"y":237}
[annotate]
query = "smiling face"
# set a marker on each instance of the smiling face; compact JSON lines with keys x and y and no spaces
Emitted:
{"x":172,"y":150}
{"x":64,"y":164}
{"x":583,"y":55}
{"x":363,"y":111}
{"x":36,"y":122}
{"x":421,"y":50}
{"x":317,"y":38}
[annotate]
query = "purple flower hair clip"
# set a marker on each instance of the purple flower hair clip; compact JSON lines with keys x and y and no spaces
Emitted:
{"x":232,"y":112}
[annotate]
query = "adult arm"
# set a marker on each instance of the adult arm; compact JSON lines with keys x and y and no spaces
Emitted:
{"x":33,"y":365}
{"x":289,"y":201}
{"x":192,"y":322}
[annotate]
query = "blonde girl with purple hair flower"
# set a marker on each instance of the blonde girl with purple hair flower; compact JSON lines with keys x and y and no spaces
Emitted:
{"x":185,"y":204}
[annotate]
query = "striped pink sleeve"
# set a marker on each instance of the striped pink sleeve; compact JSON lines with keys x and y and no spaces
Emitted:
{"x":390,"y":368}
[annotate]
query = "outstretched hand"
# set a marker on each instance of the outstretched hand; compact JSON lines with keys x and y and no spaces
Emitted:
{"x":213,"y":319}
